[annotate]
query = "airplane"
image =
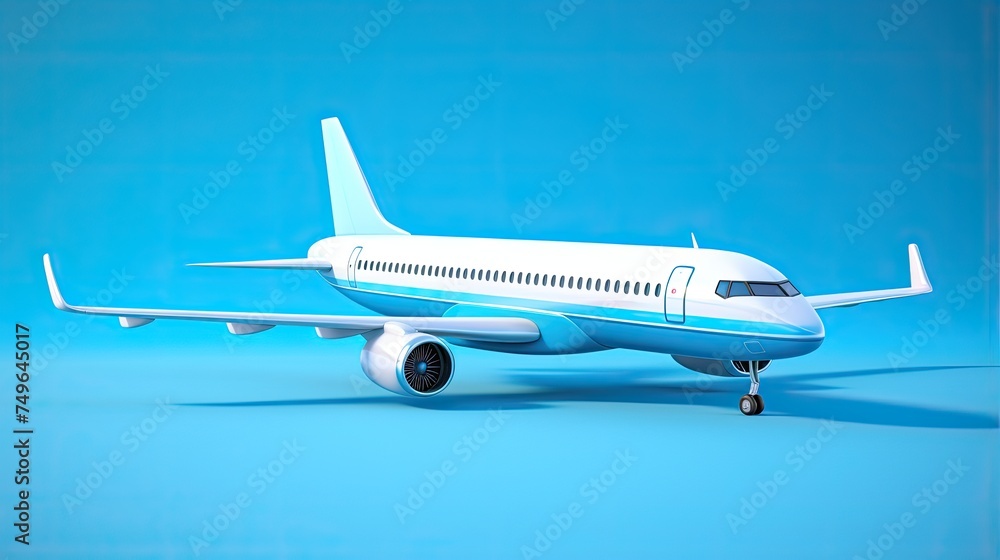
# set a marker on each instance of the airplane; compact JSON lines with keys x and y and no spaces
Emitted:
{"x":715,"y":312}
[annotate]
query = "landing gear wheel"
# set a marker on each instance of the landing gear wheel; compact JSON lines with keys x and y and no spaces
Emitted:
{"x":748,"y":405}
{"x":760,"y":403}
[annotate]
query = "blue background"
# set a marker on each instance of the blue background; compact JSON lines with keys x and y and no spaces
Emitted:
{"x":119,"y":214}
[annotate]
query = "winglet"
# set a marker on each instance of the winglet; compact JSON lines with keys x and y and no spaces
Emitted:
{"x":918,"y":274}
{"x":57,"y":298}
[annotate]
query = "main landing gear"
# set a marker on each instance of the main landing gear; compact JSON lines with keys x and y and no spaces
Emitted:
{"x":752,"y":404}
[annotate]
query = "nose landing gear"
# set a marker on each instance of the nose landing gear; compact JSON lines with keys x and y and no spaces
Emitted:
{"x":752,"y":404}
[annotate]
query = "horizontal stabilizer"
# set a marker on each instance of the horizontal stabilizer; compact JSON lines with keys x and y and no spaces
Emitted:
{"x":281,"y":264}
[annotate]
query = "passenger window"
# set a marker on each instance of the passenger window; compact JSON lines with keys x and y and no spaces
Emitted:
{"x":465,"y":273}
{"x":536,"y":278}
{"x":590,"y":283}
{"x":738,"y":289}
{"x":437,"y":271}
{"x":571,"y":282}
{"x":618,"y":284}
{"x":657,"y":290}
{"x":562,"y":281}
{"x":607,"y":285}
{"x":519,"y":276}
{"x":626,"y":287}
{"x":545,"y":280}
{"x":480,"y":274}
{"x":646,"y":291}
{"x":451,"y":272}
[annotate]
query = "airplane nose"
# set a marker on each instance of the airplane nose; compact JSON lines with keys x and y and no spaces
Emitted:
{"x":794,"y":312}
{"x":806,"y":318}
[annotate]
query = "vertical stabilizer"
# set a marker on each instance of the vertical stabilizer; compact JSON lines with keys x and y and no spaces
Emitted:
{"x":354,"y":208}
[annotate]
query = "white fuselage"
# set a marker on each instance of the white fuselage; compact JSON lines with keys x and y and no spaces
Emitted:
{"x":584,"y":296}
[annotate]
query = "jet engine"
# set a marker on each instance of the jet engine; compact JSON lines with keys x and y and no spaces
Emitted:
{"x":407,"y":362}
{"x":721,"y":368}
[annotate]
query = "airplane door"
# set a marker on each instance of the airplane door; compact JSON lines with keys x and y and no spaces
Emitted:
{"x":352,"y":266}
{"x":676,"y":292}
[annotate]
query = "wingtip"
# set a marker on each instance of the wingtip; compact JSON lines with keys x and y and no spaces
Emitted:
{"x":50,"y":278}
{"x":918,"y":273}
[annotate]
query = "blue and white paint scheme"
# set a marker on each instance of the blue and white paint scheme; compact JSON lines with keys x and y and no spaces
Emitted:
{"x":716,"y":312}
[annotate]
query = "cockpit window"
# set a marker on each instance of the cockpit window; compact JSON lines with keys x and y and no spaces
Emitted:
{"x":723,"y":289}
{"x":764,"y":289}
{"x":735,"y":288}
{"x":738,"y":289}
{"x":789,"y":288}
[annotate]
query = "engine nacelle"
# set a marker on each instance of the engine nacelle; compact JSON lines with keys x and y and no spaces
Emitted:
{"x":721,"y":368}
{"x":407,"y":362}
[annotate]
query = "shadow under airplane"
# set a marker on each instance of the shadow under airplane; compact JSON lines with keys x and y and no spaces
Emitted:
{"x":786,"y":395}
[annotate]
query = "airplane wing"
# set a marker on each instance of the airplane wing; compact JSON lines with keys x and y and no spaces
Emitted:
{"x":485,"y":329}
{"x":919,"y":284}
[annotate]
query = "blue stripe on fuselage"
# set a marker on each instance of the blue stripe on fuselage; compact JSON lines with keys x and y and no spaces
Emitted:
{"x":429,"y":297}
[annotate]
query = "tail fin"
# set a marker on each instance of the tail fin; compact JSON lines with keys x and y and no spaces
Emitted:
{"x":354,"y":208}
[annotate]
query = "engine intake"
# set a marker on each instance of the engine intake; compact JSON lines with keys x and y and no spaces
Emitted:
{"x":407,"y":362}
{"x":721,"y":368}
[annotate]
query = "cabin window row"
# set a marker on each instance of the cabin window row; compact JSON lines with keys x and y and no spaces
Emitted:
{"x":527,"y":278}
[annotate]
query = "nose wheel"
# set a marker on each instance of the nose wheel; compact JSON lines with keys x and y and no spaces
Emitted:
{"x":752,"y":404}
